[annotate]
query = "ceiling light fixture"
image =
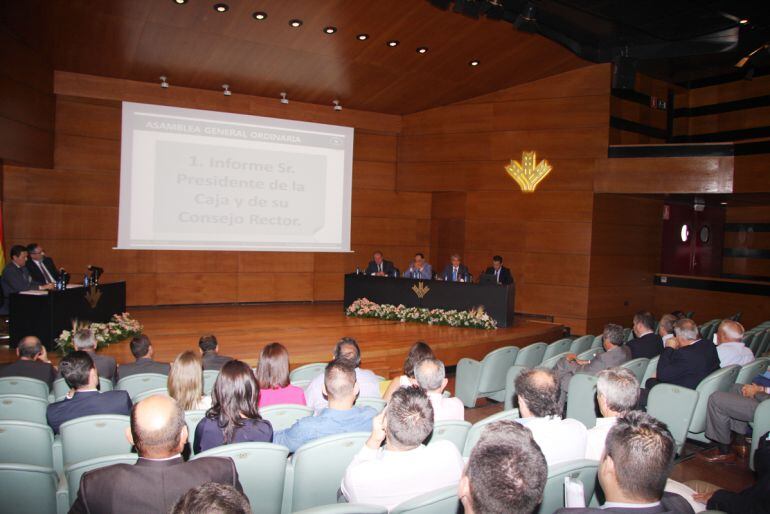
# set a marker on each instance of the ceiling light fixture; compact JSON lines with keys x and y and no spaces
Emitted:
{"x":330,"y":30}
{"x":226,"y":91}
{"x":295,"y":23}
{"x":259,"y":15}
{"x":422,"y":50}
{"x":221,"y":8}
{"x":180,"y":2}
{"x":743,"y":21}
{"x":393,"y":43}
{"x":284,"y":100}
{"x":337,"y":106}
{"x":362,"y":37}
{"x":474,"y":62}
{"x":163,"y":81}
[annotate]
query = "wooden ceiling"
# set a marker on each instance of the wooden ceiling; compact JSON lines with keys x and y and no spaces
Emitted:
{"x":197,"y":47}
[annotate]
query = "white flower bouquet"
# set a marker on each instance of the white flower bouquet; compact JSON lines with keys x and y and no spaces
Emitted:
{"x":474,"y":318}
{"x":119,"y":328}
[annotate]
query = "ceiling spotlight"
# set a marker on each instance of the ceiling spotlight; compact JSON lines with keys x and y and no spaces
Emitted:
{"x":180,"y":2}
{"x":362,"y":37}
{"x":337,"y":106}
{"x":743,"y":21}
{"x":163,"y":81}
{"x":393,"y":43}
{"x":295,"y":23}
{"x":221,"y":7}
{"x":330,"y":30}
{"x":474,"y":62}
{"x":226,"y":88}
{"x":259,"y":15}
{"x":422,"y":50}
{"x":284,"y":100}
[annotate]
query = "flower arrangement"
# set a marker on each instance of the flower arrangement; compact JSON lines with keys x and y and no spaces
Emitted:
{"x":119,"y":328}
{"x":475,"y":318}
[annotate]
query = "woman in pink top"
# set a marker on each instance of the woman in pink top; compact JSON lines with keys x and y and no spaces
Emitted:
{"x":273,"y":378}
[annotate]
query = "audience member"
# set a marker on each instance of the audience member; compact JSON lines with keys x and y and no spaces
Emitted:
{"x":617,"y":393}
{"x":431,"y":376}
{"x":210,"y":353}
{"x":666,"y":327}
{"x":560,"y":440}
{"x":85,"y":340}
{"x":79,"y":372}
{"x":646,"y":343}
{"x":506,"y":472}
{"x":404,"y":467}
{"x":212,"y":498}
{"x":368,"y":383}
{"x":730,"y":346}
{"x":233,"y":416}
{"x":637,"y":460}
{"x":141,"y":349}
{"x":417,"y":352}
{"x":160,"y":476}
{"x":616,"y":353}
{"x":185,"y":382}
{"x":339,"y":417}
{"x":273,"y":378}
{"x":32,"y":362}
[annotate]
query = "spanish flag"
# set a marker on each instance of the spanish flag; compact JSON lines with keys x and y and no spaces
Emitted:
{"x":2,"y":245}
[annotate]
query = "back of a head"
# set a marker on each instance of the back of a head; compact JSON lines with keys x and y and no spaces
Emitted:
{"x":506,"y":471}
{"x":29,"y":347}
{"x":667,"y":323}
{"x":417,"y":352}
{"x":84,"y":339}
{"x":156,"y":426}
{"x":207,"y":343}
{"x":76,"y":367}
{"x":140,"y":346}
{"x":185,"y":379}
{"x":430,"y":374}
{"x":619,"y":388}
{"x":409,"y":417}
{"x":646,"y":319}
{"x":730,"y":331}
{"x":234,"y":397}
{"x":273,"y":367}
{"x":642,"y":451}
{"x":614,"y":334}
{"x":540,"y":389}
{"x":340,"y":379}
{"x":347,"y":348}
{"x":212,"y":498}
{"x":687,"y":329}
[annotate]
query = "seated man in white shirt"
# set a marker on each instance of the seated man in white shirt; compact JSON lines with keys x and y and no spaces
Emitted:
{"x":404,"y":467}
{"x":506,"y":472}
{"x":561,"y":440}
{"x":368,"y":383}
{"x":666,"y":327}
{"x":617,"y":392}
{"x":431,"y":376}
{"x":731,"y":348}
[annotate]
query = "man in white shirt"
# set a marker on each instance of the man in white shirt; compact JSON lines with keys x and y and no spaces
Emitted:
{"x":617,"y":392}
{"x":368,"y":383}
{"x":404,"y":467}
{"x":561,"y":440}
{"x":431,"y":376}
{"x":731,"y":348}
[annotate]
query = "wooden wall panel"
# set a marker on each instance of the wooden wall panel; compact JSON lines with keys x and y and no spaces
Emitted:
{"x":748,"y":245}
{"x":751,"y":174}
{"x":709,"y":305}
{"x":665,"y":175}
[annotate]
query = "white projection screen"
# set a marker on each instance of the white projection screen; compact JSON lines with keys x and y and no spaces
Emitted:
{"x":203,"y":180}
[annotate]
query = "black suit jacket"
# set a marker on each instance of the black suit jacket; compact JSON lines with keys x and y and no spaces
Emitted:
{"x":212,"y":360}
{"x":687,"y":366}
{"x":14,"y":280}
{"x":142,"y":365}
{"x":87,"y":403}
{"x":105,"y":365}
{"x":387,"y":268}
{"x":30,"y":369}
{"x":462,"y":271}
{"x":670,"y":503}
{"x":648,"y":346}
{"x":505,"y":274}
{"x":37,"y":275}
{"x":149,"y":485}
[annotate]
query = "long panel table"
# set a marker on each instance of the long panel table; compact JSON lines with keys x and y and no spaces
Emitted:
{"x":497,"y":300}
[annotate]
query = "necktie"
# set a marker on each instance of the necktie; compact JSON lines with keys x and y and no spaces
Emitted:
{"x":454,"y":274}
{"x":46,"y":274}
{"x":379,"y":268}
{"x":497,"y":275}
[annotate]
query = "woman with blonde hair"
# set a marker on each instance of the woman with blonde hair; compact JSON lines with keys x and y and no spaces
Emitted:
{"x":185,"y":382}
{"x":273,"y":378}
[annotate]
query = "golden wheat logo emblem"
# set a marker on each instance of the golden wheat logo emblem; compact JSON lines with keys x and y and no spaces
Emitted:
{"x":529,"y":172}
{"x":93,"y":295}
{"x":420,"y":289}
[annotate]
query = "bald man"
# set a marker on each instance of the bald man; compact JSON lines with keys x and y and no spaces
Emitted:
{"x":731,"y":348}
{"x":160,"y":476}
{"x":32,"y":362}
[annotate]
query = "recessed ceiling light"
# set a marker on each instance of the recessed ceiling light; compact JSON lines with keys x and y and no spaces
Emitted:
{"x":743,"y":21}
{"x":474,"y":62}
{"x":259,"y":15}
{"x":330,"y":30}
{"x":221,"y":7}
{"x":295,"y":23}
{"x":180,"y":2}
{"x":393,"y":43}
{"x":422,"y":50}
{"x":362,"y":37}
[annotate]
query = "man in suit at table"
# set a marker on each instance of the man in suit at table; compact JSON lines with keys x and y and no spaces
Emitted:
{"x":16,"y":277}
{"x":419,"y":268}
{"x":455,"y":271}
{"x":85,"y":340}
{"x":32,"y":362}
{"x":502,"y":274}
{"x":379,"y":267}
{"x":210,"y":353}
{"x":160,"y":475}
{"x":40,"y":266}
{"x":141,"y":349}
{"x":646,"y":342}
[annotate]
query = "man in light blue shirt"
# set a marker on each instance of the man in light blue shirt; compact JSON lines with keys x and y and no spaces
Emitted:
{"x":341,"y":388}
{"x":419,"y":268}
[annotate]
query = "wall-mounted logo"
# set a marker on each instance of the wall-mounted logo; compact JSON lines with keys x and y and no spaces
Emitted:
{"x":529,"y":172}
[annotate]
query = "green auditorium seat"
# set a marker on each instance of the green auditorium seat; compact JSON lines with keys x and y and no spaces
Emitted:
{"x":485,"y":378}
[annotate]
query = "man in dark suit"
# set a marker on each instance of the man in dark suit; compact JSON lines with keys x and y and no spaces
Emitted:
{"x":79,"y":371}
{"x":141,"y":349}
{"x":455,"y":271}
{"x":501,"y":273}
{"x":16,"y":277}
{"x":646,"y":343}
{"x":379,"y":267}
{"x":32,"y":363}
{"x":85,"y":340}
{"x":210,"y":353}
{"x":160,"y":476}
{"x":637,"y":460}
{"x":40,"y":266}
{"x":687,"y":359}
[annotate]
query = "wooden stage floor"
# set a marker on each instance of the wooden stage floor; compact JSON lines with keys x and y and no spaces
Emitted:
{"x":310,"y":331}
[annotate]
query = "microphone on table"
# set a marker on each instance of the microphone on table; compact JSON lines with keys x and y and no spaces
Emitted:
{"x":95,"y":269}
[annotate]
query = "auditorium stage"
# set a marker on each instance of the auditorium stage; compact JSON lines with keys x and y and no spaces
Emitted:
{"x":309,"y":331}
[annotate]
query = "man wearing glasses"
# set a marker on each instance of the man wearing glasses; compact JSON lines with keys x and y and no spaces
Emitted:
{"x":41,"y":267}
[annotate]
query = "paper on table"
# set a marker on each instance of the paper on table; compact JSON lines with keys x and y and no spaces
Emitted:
{"x":34,"y":292}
